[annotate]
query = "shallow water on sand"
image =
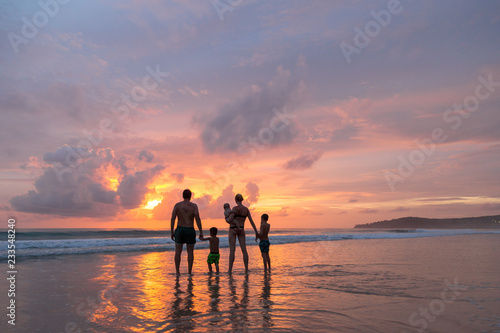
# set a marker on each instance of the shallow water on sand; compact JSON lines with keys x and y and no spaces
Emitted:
{"x":440,"y":284}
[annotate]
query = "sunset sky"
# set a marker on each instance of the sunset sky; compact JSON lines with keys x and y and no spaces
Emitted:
{"x":321,"y":113}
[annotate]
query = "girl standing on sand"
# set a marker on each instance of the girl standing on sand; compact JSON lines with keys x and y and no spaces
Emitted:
{"x":237,"y":230}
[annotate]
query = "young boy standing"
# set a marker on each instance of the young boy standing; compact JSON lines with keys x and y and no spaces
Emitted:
{"x":213,"y":256}
{"x":264,"y":240}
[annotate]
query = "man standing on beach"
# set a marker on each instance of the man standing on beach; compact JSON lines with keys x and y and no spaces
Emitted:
{"x":185,"y":212}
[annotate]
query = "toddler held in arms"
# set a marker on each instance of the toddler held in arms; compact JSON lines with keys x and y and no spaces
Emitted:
{"x":228,"y":213}
{"x":229,"y":216}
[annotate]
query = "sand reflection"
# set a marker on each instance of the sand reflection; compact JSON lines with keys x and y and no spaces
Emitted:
{"x":215,"y":299}
{"x":142,"y":296}
{"x":97,"y":307}
{"x":265,"y":301}
{"x":182,"y":308}
{"x":147,"y":292}
{"x":238,"y":309}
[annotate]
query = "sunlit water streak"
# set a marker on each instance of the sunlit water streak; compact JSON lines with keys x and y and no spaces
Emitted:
{"x":370,"y":285}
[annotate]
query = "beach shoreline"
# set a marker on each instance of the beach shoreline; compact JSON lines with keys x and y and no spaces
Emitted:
{"x":348,"y":286}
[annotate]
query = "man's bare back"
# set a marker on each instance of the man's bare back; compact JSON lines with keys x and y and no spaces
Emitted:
{"x":186,"y":212}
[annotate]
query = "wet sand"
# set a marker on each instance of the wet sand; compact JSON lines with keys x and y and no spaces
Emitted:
{"x":442,"y":284}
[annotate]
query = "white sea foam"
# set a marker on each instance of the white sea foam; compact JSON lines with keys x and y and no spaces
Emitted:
{"x":31,"y":248}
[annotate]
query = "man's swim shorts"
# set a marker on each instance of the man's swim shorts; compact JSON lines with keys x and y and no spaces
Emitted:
{"x":213,"y":258}
{"x":185,"y":235}
{"x":264,"y":245}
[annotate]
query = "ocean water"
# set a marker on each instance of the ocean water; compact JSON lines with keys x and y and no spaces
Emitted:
{"x":49,"y":242}
{"x":335,"y":280}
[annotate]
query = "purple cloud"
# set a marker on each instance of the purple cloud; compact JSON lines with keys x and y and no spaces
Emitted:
{"x":259,"y":114}
{"x":146,"y":156}
{"x":133,"y":188}
{"x":179,"y":177}
{"x":400,"y":209}
{"x":252,"y":192}
{"x":304,"y":161}
{"x":74,"y":185}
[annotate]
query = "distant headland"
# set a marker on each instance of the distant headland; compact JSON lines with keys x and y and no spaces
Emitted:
{"x":482,"y":222}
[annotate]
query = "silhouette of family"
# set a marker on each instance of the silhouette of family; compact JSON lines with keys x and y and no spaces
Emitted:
{"x":186,"y":213}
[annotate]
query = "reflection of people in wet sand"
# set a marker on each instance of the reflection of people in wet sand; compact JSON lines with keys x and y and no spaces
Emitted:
{"x":265,"y":301}
{"x":183,"y":308}
{"x":238,"y":311}
{"x":264,"y":240}
{"x":213,"y":256}
{"x":237,"y":230}
{"x":185,"y":212}
{"x":214,"y":289}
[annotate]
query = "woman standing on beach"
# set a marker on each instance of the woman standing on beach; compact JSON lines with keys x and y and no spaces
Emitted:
{"x":237,"y":230}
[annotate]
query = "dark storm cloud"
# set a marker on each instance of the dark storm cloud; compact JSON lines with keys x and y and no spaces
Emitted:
{"x":76,"y":195}
{"x":146,"y":156}
{"x":75,"y":186}
{"x":70,"y":156}
{"x":260,"y":110}
{"x":133,"y":188}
